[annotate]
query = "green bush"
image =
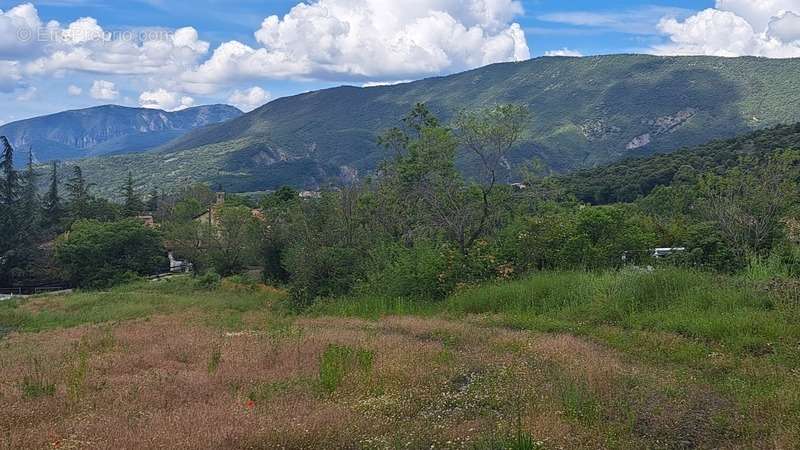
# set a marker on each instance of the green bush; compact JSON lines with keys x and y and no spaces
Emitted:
{"x":209,"y":280}
{"x":583,"y":238}
{"x":97,"y":255}
{"x":418,"y":272}
{"x":319,"y":272}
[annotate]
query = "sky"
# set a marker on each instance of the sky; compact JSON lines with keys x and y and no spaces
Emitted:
{"x":173,"y":54}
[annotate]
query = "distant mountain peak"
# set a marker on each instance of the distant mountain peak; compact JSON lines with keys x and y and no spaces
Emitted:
{"x":109,"y":129}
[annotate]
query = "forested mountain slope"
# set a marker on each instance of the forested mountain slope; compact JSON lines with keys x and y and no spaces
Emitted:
{"x":626,"y":180}
{"x":585,"y":112}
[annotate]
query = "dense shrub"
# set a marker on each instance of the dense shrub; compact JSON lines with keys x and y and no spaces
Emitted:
{"x":419,"y":271}
{"x":320,"y":272}
{"x":586,"y":238}
{"x":94,"y":254}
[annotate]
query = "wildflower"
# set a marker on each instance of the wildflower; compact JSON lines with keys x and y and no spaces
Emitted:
{"x":250,"y":404}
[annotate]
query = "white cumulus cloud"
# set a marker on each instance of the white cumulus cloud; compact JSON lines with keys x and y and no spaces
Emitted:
{"x":84,"y":45}
{"x":249,"y":99}
{"x":20,"y":28}
{"x":103,"y":90}
{"x":166,"y":100}
{"x":563,"y":52}
{"x":74,"y":90}
{"x":371,"y":39}
{"x":769,"y":28}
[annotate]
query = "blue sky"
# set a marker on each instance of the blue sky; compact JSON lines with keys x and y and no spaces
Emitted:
{"x":175,"y":54}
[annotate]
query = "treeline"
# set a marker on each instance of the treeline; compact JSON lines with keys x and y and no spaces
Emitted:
{"x":630,"y":179}
{"x":418,"y":229}
{"x":31,"y":222}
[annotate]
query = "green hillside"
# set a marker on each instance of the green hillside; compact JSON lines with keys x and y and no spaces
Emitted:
{"x":629,"y":179}
{"x":585,"y":112}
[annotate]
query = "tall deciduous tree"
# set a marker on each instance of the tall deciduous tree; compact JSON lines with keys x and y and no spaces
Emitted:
{"x":490,"y":134}
{"x":422,"y":181}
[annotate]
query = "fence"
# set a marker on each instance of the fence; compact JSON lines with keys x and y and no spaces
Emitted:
{"x":31,"y":290}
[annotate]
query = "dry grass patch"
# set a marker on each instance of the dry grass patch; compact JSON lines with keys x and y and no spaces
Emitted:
{"x":175,"y":381}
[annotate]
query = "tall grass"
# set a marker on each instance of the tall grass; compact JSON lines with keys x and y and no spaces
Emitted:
{"x":133,"y":301}
{"x":705,"y":308}
{"x":693,"y":304}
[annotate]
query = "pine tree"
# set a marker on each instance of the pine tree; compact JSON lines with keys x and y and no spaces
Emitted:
{"x":52,"y":202}
{"x":30,"y":192}
{"x":78,"y":191}
{"x":10,"y":233}
{"x":10,"y":187}
{"x":133,"y":204}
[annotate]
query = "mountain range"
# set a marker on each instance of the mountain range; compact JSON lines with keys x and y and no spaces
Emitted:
{"x":108,"y":129}
{"x":585,"y":112}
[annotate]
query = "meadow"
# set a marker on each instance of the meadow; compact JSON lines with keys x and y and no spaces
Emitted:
{"x":618,"y":359}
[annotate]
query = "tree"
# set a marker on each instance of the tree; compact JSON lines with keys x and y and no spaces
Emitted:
{"x":9,"y":213}
{"x":29,"y":198}
{"x":153,"y":201}
{"x":423,"y":191}
{"x":748,"y":206}
{"x":10,"y":183}
{"x":133,"y":205}
{"x":490,"y":134}
{"x":234,"y":240}
{"x":421,"y":165}
{"x":78,"y":191}
{"x":99,"y":254}
{"x":53,"y":210}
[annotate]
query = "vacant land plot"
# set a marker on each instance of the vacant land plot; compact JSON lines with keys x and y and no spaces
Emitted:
{"x":174,"y":366}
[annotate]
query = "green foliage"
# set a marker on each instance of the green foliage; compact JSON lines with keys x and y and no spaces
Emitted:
{"x":586,"y":238}
{"x":579,"y":402}
{"x":419,"y":272}
{"x":95,"y":254}
{"x":233,"y":240}
{"x":208,"y":281}
{"x":132,"y":203}
{"x":627,"y":180}
{"x":338,"y":361}
{"x":76,"y":378}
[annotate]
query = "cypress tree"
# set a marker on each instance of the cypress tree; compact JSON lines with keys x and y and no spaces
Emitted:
{"x":30,"y":193}
{"x":9,"y":190}
{"x":10,"y":234}
{"x":52,"y":201}
{"x":78,"y":191}
{"x":133,"y":204}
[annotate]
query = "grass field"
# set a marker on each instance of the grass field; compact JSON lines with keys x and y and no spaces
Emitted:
{"x":670,"y":359}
